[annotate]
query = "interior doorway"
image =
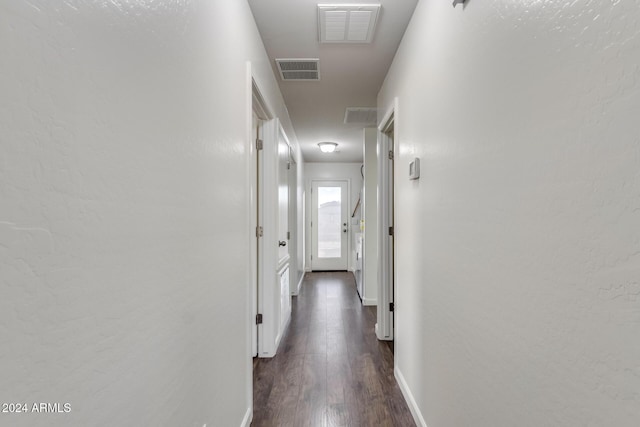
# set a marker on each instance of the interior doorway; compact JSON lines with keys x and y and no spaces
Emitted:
{"x":260,"y":115}
{"x":329,"y":225}
{"x":386,"y":232}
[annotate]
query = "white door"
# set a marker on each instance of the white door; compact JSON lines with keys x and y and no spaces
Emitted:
{"x":329,"y":225}
{"x":274,"y":300}
{"x":283,"y":199}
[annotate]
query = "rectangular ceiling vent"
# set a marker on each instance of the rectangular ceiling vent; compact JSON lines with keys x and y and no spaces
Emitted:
{"x":305,"y":69}
{"x":361,"y":115}
{"x":347,"y":23}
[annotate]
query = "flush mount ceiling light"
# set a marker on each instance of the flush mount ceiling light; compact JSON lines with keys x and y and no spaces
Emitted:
{"x":327,"y":147}
{"x":347,"y":23}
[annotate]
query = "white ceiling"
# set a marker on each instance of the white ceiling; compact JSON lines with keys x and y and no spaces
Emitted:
{"x":350,"y":74}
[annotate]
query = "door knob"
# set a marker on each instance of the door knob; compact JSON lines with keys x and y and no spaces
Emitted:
{"x":282,"y":243}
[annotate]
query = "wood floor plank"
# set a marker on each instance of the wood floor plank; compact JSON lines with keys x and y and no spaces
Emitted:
{"x":330,"y":369}
{"x":312,"y":399}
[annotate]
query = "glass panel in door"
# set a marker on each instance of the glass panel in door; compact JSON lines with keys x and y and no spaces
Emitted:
{"x":329,"y":222}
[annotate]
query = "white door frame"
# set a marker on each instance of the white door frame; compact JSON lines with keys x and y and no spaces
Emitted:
{"x":345,"y":245}
{"x":261,"y":110}
{"x":270,"y":265}
{"x":386,"y":268}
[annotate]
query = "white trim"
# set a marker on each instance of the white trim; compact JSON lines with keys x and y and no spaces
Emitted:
{"x":283,"y":263}
{"x":285,"y":311}
{"x":248,"y":417}
{"x":281,"y":334}
{"x":386,"y":272}
{"x":263,"y":110}
{"x":370,"y":301}
{"x":408,"y":397}
{"x":252,"y":271}
{"x":296,"y":291}
{"x":386,"y":119}
{"x":258,"y":106}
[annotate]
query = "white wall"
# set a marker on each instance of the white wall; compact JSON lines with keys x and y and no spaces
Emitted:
{"x":124,"y":210}
{"x":333,"y":171}
{"x":518,"y":257}
{"x":370,"y":210}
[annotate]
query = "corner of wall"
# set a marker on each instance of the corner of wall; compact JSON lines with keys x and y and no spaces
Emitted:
{"x":408,"y":396}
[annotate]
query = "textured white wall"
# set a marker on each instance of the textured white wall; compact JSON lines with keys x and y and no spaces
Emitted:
{"x":518,"y":258}
{"x":327,"y":172}
{"x":124,"y":210}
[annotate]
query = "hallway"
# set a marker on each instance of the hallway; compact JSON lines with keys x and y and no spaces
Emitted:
{"x":158,"y":161}
{"x":330,"y":369}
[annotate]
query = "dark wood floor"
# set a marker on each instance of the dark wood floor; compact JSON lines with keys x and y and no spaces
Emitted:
{"x":330,"y":369}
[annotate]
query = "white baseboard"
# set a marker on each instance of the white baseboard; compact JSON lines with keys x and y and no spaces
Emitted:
{"x":378,"y":335}
{"x":280,"y":335}
{"x":406,"y":392}
{"x":246,"y":421}
{"x":296,"y":291}
{"x":369,"y":301}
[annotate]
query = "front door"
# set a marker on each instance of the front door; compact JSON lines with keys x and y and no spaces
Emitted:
{"x":329,"y":225}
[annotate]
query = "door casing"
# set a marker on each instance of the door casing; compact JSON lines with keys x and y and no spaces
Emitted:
{"x":260,"y":114}
{"x":387,"y":231}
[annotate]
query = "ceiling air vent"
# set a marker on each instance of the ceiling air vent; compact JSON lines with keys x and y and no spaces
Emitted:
{"x":306,"y":69}
{"x":347,"y":23}
{"x":361,"y":115}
